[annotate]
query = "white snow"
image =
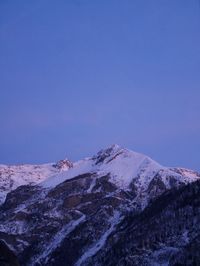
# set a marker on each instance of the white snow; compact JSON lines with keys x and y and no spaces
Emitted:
{"x":127,"y":165}
{"x":80,"y":167}
{"x":14,"y":176}
{"x":123,"y":166}
{"x":92,"y":185}
{"x":101,"y":242}
{"x":189,"y":174}
{"x":57,"y":239}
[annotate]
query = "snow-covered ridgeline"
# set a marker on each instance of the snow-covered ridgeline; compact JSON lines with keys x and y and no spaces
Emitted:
{"x":123,"y":166}
{"x":13,"y":176}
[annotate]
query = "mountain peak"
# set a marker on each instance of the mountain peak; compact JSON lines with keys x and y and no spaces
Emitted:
{"x":104,"y":154}
{"x":107,"y":195}
{"x":115,"y":152}
{"x":63,"y":164}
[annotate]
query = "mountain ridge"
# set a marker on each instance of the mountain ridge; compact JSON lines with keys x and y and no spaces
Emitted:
{"x":123,"y":164}
{"x":76,"y":215}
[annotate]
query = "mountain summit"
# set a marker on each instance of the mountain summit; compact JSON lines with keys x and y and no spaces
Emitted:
{"x":116,"y":202}
{"x":127,"y":170}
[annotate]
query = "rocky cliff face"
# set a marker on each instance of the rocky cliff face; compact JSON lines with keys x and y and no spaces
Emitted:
{"x":115,"y":208}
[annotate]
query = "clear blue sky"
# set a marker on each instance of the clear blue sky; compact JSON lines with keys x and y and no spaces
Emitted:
{"x":79,"y":75}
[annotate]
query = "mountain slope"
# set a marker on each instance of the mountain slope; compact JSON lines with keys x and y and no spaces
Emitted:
{"x":129,"y":171}
{"x":13,"y":176}
{"x":81,"y":215}
{"x":167,"y":232}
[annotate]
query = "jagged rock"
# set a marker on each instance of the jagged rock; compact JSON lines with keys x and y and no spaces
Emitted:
{"x":63,"y":164}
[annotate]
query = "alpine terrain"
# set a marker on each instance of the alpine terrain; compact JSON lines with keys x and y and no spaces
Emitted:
{"x":116,"y":208}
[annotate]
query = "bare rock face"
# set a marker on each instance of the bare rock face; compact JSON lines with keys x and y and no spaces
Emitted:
{"x":116,"y":208}
{"x":63,"y":164}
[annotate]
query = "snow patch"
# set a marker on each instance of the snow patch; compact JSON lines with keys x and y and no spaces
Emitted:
{"x":101,"y":242}
{"x":58,"y":238}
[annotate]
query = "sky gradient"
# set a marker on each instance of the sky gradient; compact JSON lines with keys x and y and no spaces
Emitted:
{"x":79,"y":75}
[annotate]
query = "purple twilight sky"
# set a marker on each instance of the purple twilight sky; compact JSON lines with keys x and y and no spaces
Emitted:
{"x":79,"y":75}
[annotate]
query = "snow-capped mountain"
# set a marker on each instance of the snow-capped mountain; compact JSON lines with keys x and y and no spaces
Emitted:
{"x":13,"y":176}
{"x":112,"y":203}
{"x":127,"y":170}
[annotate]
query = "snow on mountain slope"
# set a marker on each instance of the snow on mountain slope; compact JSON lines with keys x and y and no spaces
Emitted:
{"x":77,"y":215}
{"x":80,"y":167}
{"x":122,"y":164}
{"x":124,"y":167}
{"x":14,"y":176}
{"x":187,"y":174}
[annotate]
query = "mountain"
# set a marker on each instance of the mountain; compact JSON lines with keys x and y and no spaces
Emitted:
{"x":13,"y":176}
{"x":118,"y":207}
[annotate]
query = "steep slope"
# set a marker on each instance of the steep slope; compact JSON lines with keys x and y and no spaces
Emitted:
{"x":14,"y":176}
{"x":129,"y":171}
{"x":167,"y":232}
{"x":78,"y":216}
